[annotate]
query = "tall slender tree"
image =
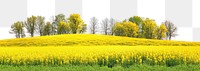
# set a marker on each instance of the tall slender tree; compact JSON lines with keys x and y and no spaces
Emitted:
{"x":40,"y":24}
{"x":112,"y":23}
{"x":105,"y":26}
{"x":93,"y":25}
{"x":30,"y":25}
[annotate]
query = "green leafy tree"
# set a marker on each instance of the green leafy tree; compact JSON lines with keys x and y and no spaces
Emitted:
{"x":47,"y":29}
{"x":63,"y":28}
{"x":40,"y":24}
{"x":75,"y":22}
{"x":171,"y":29}
{"x":18,"y":29}
{"x":138,"y":20}
{"x":30,"y":25}
{"x":58,"y":18}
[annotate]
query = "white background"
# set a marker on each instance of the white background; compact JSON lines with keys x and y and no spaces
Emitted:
{"x":154,"y":9}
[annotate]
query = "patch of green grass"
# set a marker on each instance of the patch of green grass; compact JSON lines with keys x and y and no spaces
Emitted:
{"x":98,"y":68}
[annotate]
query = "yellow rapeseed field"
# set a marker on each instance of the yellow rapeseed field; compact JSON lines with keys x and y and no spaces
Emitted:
{"x":91,"y":40}
{"x":101,"y":55}
{"x":86,"y":49}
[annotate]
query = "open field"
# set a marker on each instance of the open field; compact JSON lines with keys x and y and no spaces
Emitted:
{"x":91,"y":40}
{"x":95,"y":52}
{"x":100,"y":55}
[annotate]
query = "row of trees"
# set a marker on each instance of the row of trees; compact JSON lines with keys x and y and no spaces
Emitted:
{"x":60,"y":25}
{"x":135,"y":26}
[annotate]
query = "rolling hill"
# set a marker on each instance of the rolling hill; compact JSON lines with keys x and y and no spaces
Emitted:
{"x":91,"y":40}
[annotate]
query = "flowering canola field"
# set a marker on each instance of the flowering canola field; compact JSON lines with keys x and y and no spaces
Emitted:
{"x":91,"y":40}
{"x":97,"y":50}
{"x":101,"y":55}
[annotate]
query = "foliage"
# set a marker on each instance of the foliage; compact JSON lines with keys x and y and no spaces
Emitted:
{"x":75,"y":22}
{"x":63,"y":28}
{"x":47,"y":29}
{"x":58,"y":18}
{"x":161,"y":32}
{"x":82,"y":28}
{"x":119,"y":29}
{"x":126,"y":29}
{"x":138,"y":20}
{"x":18,"y":29}
{"x":30,"y":25}
{"x":149,"y":28}
{"x":131,"y":29}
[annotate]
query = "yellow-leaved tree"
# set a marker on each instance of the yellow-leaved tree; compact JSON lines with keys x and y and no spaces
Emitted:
{"x":76,"y":24}
{"x":131,"y":29}
{"x":149,"y":28}
{"x":126,"y":29}
{"x":63,"y":28}
{"x":161,"y":31}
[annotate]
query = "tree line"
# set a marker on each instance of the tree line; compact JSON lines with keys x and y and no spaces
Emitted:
{"x":135,"y":26}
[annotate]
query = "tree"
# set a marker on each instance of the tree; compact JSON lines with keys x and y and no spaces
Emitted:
{"x":126,"y":29}
{"x":105,"y":26}
{"x":171,"y":28}
{"x":131,"y":29}
{"x":138,"y":20}
{"x":75,"y":22}
{"x":112,"y":23}
{"x":119,"y":29}
{"x":161,"y":32}
{"x":40,"y":24}
{"x":149,"y":28}
{"x":18,"y":29}
{"x":93,"y":25}
{"x":58,"y":18}
{"x":47,"y":29}
{"x":63,"y":28}
{"x":31,"y":25}
{"x":83,"y":28}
